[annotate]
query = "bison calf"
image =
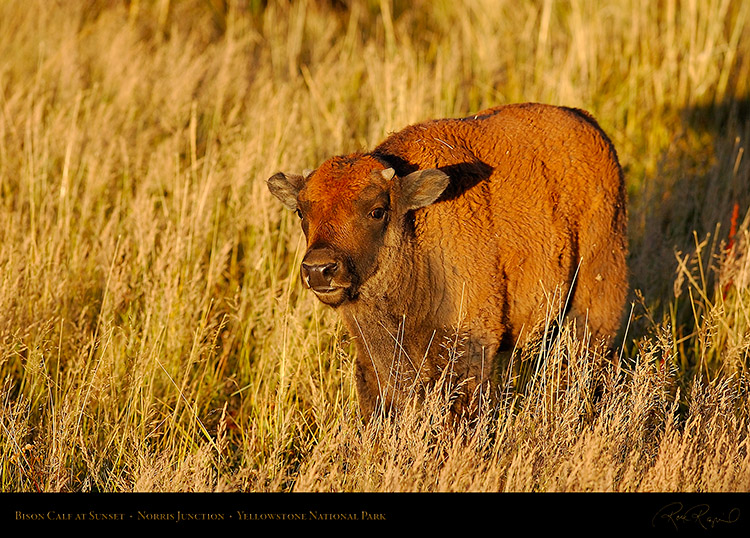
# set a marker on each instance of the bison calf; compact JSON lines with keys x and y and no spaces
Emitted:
{"x":461,"y":230}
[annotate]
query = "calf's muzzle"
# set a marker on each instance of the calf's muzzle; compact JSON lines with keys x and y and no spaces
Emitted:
{"x":320,"y":271}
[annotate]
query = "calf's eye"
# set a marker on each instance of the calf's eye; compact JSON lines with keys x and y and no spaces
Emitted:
{"x":298,"y":213}
{"x":377,"y":214}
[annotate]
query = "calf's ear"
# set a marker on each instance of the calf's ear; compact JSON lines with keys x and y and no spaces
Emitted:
{"x":285,"y":187}
{"x":423,"y":187}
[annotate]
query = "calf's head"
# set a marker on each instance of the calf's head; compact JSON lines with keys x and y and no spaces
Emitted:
{"x":352,"y":208}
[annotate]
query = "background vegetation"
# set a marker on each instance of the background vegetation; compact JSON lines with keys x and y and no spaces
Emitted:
{"x":153,"y":332}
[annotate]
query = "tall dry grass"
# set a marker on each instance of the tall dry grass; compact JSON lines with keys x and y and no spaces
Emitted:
{"x":153,"y":334}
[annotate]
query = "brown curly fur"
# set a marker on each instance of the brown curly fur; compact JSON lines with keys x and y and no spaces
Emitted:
{"x":534,"y":208}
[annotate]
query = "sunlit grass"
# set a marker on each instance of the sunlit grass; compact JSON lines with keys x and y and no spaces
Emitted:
{"x":153,"y":332}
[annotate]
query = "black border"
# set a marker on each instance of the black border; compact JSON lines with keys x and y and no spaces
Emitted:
{"x":662,"y":514}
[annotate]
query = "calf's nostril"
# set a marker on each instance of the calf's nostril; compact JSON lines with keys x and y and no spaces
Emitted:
{"x":329,"y":269}
{"x":319,"y":275}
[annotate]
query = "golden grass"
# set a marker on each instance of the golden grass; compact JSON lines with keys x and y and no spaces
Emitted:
{"x":154,"y":336}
